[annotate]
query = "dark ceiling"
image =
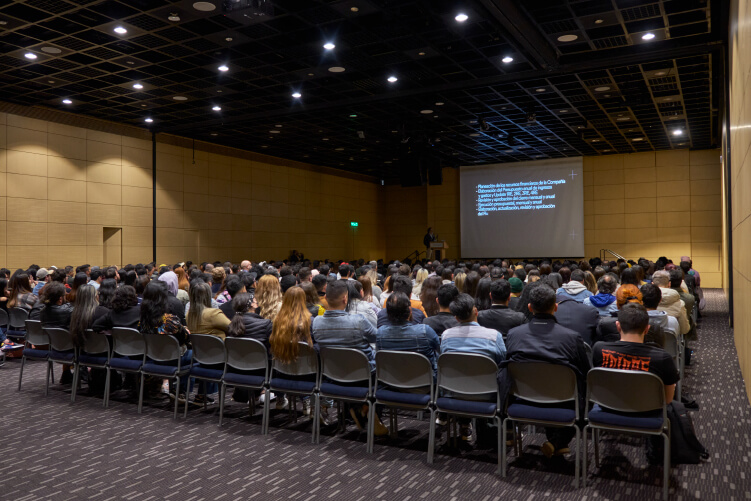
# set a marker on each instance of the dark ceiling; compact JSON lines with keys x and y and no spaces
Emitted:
{"x":607,"y":91}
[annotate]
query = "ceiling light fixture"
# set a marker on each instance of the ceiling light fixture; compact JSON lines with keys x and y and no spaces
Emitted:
{"x":120,"y":30}
{"x":329,"y":46}
{"x":204,"y":6}
{"x":648,"y":36}
{"x":149,"y":120}
{"x":275,"y":132}
{"x":568,"y":38}
{"x":426,"y":112}
{"x":461,"y":17}
{"x":137,"y":86}
{"x":638,"y":139}
{"x":67,"y":101}
{"x":180,"y":98}
{"x":439,"y":103}
{"x":602,"y":89}
{"x":678,"y":132}
{"x":296,"y":95}
{"x":30,"y":55}
{"x":392,"y":79}
{"x":51,"y":50}
{"x":217,"y":108}
{"x":598,"y":21}
{"x":174,"y":17}
{"x":223,"y":67}
{"x":337,"y":69}
{"x":541,"y":89}
{"x":507,"y":59}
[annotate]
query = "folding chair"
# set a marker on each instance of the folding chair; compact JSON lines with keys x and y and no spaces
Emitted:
{"x":245,"y":355}
{"x":341,"y":368}
{"x":163,"y":348}
{"x":627,"y":402}
{"x":305,"y":365}
{"x":207,"y":350}
{"x":95,"y":353}
{"x":467,"y":377}
{"x":17,"y":324}
{"x":126,"y":343}
{"x":674,"y":347}
{"x":539,"y":395}
{"x":63,"y":350}
{"x":401,"y":373}
{"x":36,"y":336}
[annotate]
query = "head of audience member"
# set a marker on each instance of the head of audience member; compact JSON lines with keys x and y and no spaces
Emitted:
{"x":627,"y":294}
{"x":171,"y":280}
{"x":685,"y":266}
{"x":52,"y":294}
{"x":268,"y":296}
{"x":565,"y":273}
{"x":79,"y":280}
{"x":607,"y":284}
{"x":633,"y":322}
{"x":319,"y":282}
{"x":676,"y":278}
{"x":398,"y":308}
{"x":153,"y":307}
{"x":629,"y":276}
{"x":367,"y":287}
{"x":287,"y":282}
{"x":542,"y":300}
{"x":463,"y":308}
{"x":520,"y":273}
{"x":445,"y":295}
{"x":291,"y":326}
{"x":589,"y":282}
{"x":661,"y":278}
{"x":516,"y":286}
{"x":545,"y":269}
{"x":337,"y":295}
{"x":107,"y":292}
{"x":311,"y":295}
{"x":200,"y":299}
{"x":554,"y":280}
{"x":234,"y":285}
{"x":141,"y":283}
{"x":651,"y":296}
{"x":304,"y":274}
{"x":470,"y":283}
{"x":533,"y":276}
{"x":447,"y":274}
{"x":402,"y":284}
{"x":125,"y":297}
{"x":354,"y":294}
{"x":242,"y":303}
{"x":500,"y":292}
{"x":245,"y":265}
{"x":182,"y":279}
{"x":346,"y":271}
{"x":420,"y":276}
{"x":428,"y":294}
{"x":482,"y":296}
{"x":95,"y":276}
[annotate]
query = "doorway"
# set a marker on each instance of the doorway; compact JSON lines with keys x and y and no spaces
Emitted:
{"x":112,"y":246}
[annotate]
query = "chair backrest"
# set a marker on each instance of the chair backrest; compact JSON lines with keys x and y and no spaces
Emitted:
{"x":17,"y":318}
{"x":60,"y":339}
{"x":162,"y":347}
{"x":590,"y":354}
{"x":3,"y":317}
{"x":306,"y":363}
{"x":671,"y":344}
{"x":246,"y":354}
{"x":127,"y":342}
{"x":344,"y":365}
{"x":543,"y":383}
{"x":625,"y":391}
{"x":95,"y":342}
{"x":208,"y":349}
{"x":404,"y":369}
{"x":467,"y":374}
{"x":35,"y":334}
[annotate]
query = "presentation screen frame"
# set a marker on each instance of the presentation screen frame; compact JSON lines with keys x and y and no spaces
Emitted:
{"x":543,"y":233}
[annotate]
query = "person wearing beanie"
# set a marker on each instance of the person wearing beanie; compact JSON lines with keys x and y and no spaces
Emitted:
{"x":517,"y":286}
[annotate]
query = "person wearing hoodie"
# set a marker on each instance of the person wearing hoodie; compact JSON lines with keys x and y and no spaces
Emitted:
{"x":671,"y":302}
{"x":604,"y":301}
{"x":651,"y":297}
{"x":575,"y":288}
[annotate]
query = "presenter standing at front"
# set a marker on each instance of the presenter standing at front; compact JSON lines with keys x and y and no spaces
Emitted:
{"x":429,"y":237}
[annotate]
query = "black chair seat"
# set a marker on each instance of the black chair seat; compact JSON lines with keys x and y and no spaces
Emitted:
{"x":62,"y":356}
{"x":449,"y":404}
{"x":203,"y":372}
{"x":126,"y":364}
{"x":244,"y":379}
{"x":293,"y":385}
{"x":35,"y":353}
{"x":89,"y":359}
{"x":644,"y":420}
{"x":541,"y":413}
{"x":336,"y":390}
{"x":397,"y":397}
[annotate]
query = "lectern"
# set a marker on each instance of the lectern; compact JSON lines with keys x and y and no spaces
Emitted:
{"x":437,"y":248}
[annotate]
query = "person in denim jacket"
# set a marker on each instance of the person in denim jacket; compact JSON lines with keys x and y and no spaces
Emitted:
{"x":401,"y":335}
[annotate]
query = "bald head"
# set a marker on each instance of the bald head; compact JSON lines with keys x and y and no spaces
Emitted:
{"x":245,"y":265}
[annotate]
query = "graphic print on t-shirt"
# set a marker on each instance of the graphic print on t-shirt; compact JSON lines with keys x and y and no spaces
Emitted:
{"x":612,"y":359}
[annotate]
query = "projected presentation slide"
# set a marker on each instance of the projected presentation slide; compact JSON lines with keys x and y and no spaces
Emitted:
{"x":524,"y":209}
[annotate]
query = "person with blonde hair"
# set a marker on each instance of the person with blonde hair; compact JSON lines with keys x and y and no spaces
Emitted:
{"x":459,"y":279}
{"x":420,"y":277}
{"x":268,"y":296}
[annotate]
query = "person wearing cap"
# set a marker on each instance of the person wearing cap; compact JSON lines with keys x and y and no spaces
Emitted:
{"x":43,"y":277}
{"x":517,"y":286}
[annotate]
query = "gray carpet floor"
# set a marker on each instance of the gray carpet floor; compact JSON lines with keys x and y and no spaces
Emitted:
{"x":52,"y":449}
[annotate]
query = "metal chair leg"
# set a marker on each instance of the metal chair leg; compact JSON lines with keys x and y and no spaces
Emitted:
{"x":47,"y":383}
{"x":106,"y":397}
{"x":503,"y":449}
{"x":501,"y":443}
{"x":140,"y":395}
{"x":431,"y":438}
{"x":596,"y":438}
{"x":266,"y":413}
{"x":578,"y":451}
{"x":222,"y":394}
{"x":177,"y":395}
{"x":666,"y":467}
{"x":76,"y":375}
{"x":20,"y":374}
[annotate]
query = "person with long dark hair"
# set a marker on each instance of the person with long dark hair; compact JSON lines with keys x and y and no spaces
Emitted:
{"x":79,"y":280}
{"x":83,"y":312}
{"x":202,"y":318}
{"x":107,"y":292}
{"x":356,"y":304}
{"x":429,"y":293}
{"x":124,"y":311}
{"x":21,"y":295}
{"x":482,"y":296}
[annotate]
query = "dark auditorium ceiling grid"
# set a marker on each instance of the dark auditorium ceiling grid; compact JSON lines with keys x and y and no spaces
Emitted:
{"x":583,"y":80}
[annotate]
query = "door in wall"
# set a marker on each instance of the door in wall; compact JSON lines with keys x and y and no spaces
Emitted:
{"x":112,"y":246}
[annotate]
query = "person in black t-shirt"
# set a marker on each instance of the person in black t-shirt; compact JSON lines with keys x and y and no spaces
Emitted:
{"x":630,"y":353}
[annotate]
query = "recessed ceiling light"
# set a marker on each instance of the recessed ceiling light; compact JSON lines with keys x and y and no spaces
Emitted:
{"x":439,"y":103}
{"x":568,"y":38}
{"x":329,"y":46}
{"x":180,"y":98}
{"x":606,"y":95}
{"x":598,"y":21}
{"x":204,"y":6}
{"x":325,"y":139}
{"x":353,"y":115}
{"x":623,"y":119}
{"x":223,"y":67}
{"x":120,"y":30}
{"x":420,"y":53}
{"x":387,"y":162}
{"x":602,"y":89}
{"x":274,"y":131}
{"x":3,"y":22}
{"x":474,"y":134}
{"x":338,"y":149}
{"x":143,"y":106}
{"x":392,"y":79}
{"x":507,"y":59}
{"x":541,"y":89}
{"x":595,"y":140}
{"x":67,"y":101}
{"x":638,"y":139}
{"x":461,"y":17}
{"x":214,"y":134}
{"x":149,"y":120}
{"x":296,"y":95}
{"x":217,"y":108}
{"x":311,"y":74}
{"x":137,"y":86}
{"x":336,"y":69}
{"x":563,"y":111}
{"x":50,"y":81}
{"x":30,"y":55}
{"x":264,"y":146}
{"x":278,"y":125}
{"x":353,"y":9}
{"x":660,"y":73}
{"x":678,"y":132}
{"x":648,"y":36}
{"x":174,"y":17}
{"x":51,"y":50}
{"x":426,"y":112}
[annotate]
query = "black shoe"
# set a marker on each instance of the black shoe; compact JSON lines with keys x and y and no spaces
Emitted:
{"x":66,"y":378}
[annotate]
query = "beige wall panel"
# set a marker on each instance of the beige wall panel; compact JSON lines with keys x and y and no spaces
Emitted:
{"x":169,"y":180}
{"x":706,"y":218}
{"x":105,"y":153}
{"x":135,"y":157}
{"x":65,"y":190}
{"x":63,"y":255}
{"x":66,"y":146}
{"x":169,"y":163}
{"x":66,"y":168}
{"x":640,"y":174}
{"x":62,"y":234}
{"x":680,"y":203}
{"x":168,"y":218}
{"x":26,"y":233}
{"x":706,"y":171}
{"x":137,"y":236}
{"x":137,"y":197}
{"x":63,"y":211}
{"x":134,"y":255}
{"x":705,"y":249}
{"x":672,"y":157}
{"x":94,"y":255}
{"x":19,"y":209}
{"x":196,"y":184}
{"x":706,"y":202}
{"x":104,"y":215}
{"x":22,"y":255}
{"x":104,"y":137}
{"x":31,"y":187}
{"x":169,"y":149}
{"x":135,"y":176}
{"x":135,"y":143}
{"x":21,"y":162}
{"x":104,"y":173}
{"x":94,"y":235}
{"x":101,"y":193}
{"x":26,"y":140}
{"x":3,"y":159}
{"x":169,"y":199}
{"x":3,"y":208}
{"x":27,"y":123}
{"x":137,"y":216}
{"x":66,"y":130}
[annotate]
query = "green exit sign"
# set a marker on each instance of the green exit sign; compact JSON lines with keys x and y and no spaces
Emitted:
{"x":353,"y":223}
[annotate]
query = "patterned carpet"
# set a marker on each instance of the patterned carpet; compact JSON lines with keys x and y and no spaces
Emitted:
{"x":52,"y":449}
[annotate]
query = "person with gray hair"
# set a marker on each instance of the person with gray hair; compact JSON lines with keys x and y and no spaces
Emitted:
{"x":604,"y":300}
{"x":671,"y":302}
